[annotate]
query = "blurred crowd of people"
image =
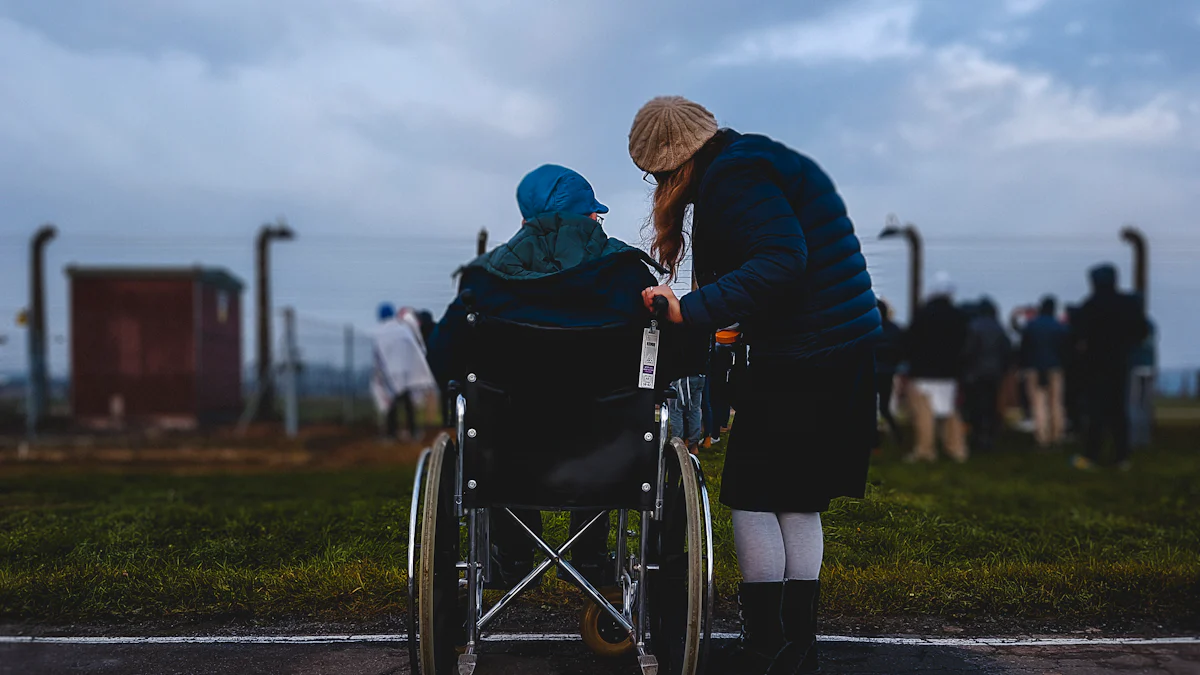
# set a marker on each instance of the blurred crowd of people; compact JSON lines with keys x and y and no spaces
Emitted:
{"x":1081,"y":371}
{"x":957,"y":371}
{"x":1085,"y":372}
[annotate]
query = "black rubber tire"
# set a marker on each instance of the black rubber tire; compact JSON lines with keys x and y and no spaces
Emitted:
{"x":440,"y":607}
{"x":677,"y":590}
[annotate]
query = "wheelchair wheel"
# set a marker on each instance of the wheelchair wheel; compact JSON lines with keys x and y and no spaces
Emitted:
{"x":439,"y":609}
{"x":600,"y":633}
{"x":678,"y":590}
{"x":414,"y":517}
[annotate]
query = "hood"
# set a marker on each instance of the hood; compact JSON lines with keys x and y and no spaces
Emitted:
{"x":551,"y":188}
{"x":552,"y":243}
{"x":1104,"y":279}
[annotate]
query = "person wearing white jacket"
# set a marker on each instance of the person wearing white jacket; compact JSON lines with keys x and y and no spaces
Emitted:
{"x":401,"y":372}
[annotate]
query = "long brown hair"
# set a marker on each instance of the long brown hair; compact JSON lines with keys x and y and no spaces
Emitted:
{"x":671,"y":198}
{"x":675,"y":191}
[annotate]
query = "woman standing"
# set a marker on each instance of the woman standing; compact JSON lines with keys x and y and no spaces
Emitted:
{"x":773,"y":250}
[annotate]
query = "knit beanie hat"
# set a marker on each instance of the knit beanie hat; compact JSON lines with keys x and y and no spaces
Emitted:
{"x":667,"y":131}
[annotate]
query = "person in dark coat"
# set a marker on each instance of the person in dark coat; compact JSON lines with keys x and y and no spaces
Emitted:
{"x":1111,"y":325}
{"x":934,"y":345}
{"x":1043,"y":346}
{"x":889,"y":353}
{"x":773,"y":250}
{"x":561,"y":270}
{"x":1075,"y":399}
{"x":987,"y":356}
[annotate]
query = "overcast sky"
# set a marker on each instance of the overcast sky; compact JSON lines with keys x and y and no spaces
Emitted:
{"x":1018,"y":134}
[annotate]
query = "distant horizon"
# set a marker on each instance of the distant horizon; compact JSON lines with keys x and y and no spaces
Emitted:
{"x":418,"y":273}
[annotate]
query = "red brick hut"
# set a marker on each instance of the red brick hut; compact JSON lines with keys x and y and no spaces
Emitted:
{"x":155,"y":346}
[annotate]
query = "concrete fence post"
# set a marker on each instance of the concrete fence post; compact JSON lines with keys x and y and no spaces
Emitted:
{"x":348,"y":387}
{"x":291,"y":413}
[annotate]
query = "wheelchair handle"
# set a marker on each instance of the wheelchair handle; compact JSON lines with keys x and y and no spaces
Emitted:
{"x":660,"y":307}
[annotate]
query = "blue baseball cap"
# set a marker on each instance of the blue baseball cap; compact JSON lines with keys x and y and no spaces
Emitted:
{"x":550,"y":188}
{"x":386,"y":311}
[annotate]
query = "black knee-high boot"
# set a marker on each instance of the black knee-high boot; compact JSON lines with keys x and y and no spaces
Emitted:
{"x":762,"y":631}
{"x":799,"y":618}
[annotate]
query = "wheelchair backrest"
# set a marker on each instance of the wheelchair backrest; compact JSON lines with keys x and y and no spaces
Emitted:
{"x":555,"y":418}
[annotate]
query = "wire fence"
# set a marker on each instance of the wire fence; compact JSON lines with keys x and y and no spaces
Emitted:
{"x":333,"y":367}
{"x":328,"y":371}
{"x":335,"y":281}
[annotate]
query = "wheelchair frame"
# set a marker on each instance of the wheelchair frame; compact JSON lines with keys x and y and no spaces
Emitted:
{"x":634,"y":573}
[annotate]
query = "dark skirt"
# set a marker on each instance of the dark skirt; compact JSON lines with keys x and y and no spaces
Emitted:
{"x":802,"y":435}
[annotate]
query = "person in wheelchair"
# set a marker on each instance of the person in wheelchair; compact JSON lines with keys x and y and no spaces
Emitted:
{"x":560,"y":269}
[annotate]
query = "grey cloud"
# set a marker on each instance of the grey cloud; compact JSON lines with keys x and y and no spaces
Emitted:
{"x":853,"y":33}
{"x":1023,"y":7}
{"x":375,"y":118}
{"x":968,"y":92}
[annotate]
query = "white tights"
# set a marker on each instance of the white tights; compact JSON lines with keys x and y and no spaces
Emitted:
{"x":778,"y":546}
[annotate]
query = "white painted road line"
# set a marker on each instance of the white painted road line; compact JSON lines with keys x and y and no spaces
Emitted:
{"x":1009,"y":641}
{"x":572,"y":637}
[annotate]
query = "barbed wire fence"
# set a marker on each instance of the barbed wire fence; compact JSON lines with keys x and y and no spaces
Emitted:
{"x":332,"y":366}
{"x":335,"y":280}
{"x":1015,"y":271}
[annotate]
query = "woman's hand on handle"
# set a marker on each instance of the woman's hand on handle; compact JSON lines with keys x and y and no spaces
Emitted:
{"x":674,"y":315}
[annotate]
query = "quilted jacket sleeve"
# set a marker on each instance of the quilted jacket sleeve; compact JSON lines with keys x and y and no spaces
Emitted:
{"x":759,"y":222}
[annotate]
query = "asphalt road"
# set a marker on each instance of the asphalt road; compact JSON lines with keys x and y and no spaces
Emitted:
{"x":574,"y":659}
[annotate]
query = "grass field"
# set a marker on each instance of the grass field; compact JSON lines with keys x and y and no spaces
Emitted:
{"x":1010,"y":534}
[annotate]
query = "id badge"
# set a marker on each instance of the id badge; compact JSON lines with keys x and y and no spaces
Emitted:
{"x":649,"y":361}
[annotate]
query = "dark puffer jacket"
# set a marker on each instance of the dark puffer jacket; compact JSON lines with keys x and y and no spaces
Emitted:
{"x":774,"y":250}
{"x":889,"y":349}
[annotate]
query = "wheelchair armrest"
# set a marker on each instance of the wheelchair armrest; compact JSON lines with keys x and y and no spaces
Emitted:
{"x":670,"y":393}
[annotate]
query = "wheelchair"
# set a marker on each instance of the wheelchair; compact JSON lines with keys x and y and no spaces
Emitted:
{"x":558,"y":419}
